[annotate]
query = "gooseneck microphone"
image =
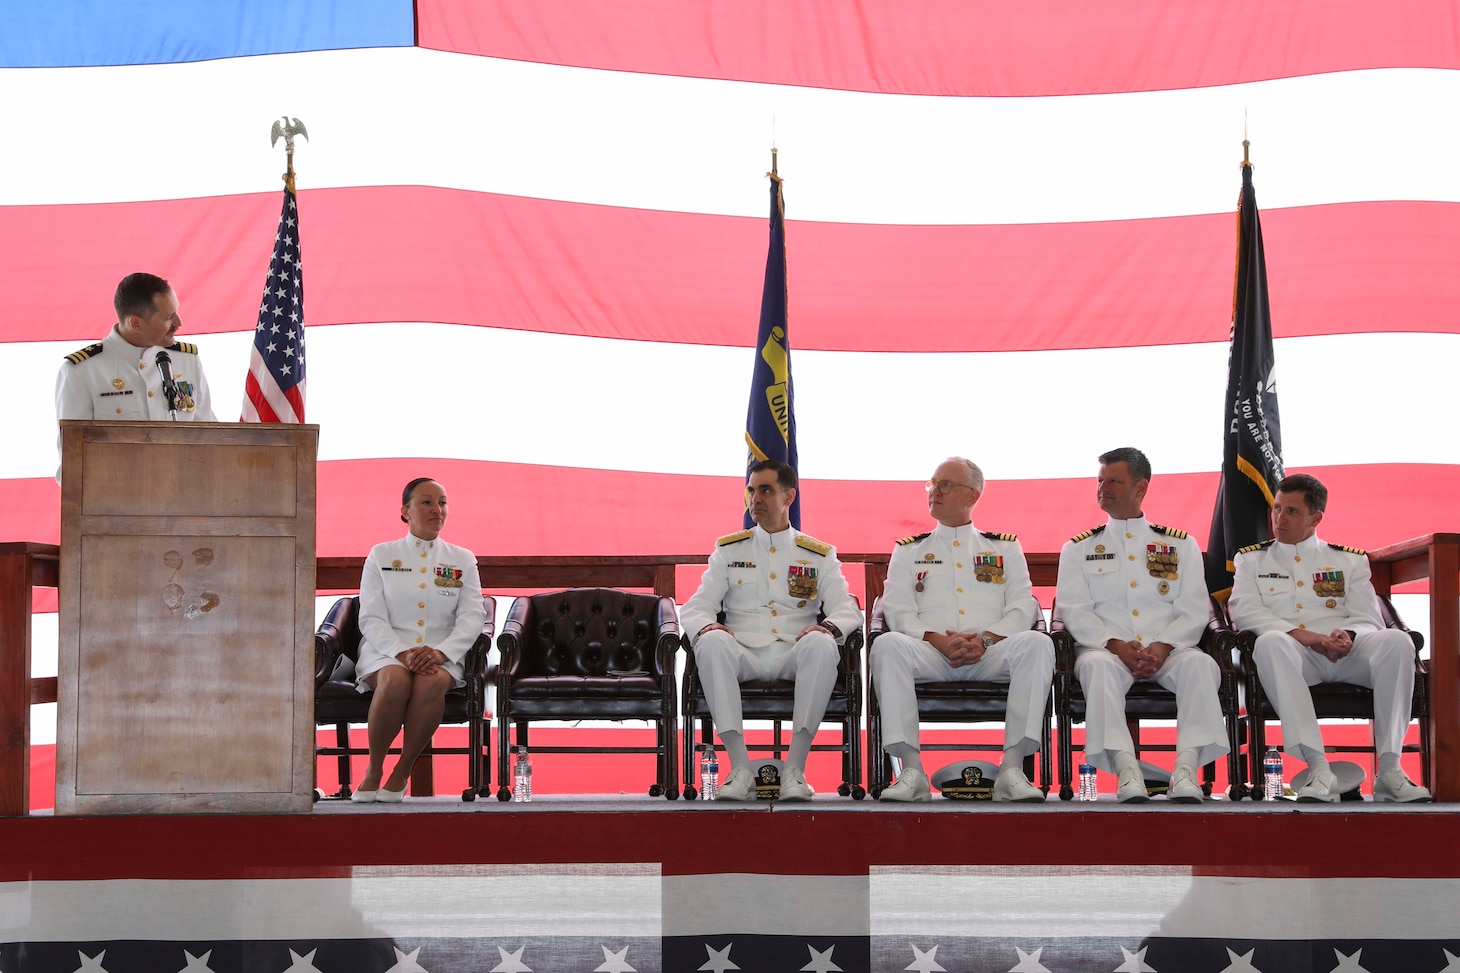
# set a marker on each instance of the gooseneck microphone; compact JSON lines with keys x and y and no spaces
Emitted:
{"x":169,"y":387}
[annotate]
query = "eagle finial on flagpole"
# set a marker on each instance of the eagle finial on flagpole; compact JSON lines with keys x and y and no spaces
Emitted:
{"x":287,"y":128}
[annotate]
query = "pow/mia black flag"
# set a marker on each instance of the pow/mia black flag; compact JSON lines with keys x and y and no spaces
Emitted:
{"x":770,"y":420}
{"x":1252,"y":457}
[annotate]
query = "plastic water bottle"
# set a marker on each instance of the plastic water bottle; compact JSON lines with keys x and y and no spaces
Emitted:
{"x":522,"y":778}
{"x":709,"y":772}
{"x":1088,"y":789}
{"x":1272,"y":773}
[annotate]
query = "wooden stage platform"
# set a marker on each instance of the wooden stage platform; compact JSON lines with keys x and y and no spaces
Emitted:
{"x":639,"y":885}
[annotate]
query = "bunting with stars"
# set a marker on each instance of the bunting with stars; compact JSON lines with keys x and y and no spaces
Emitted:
{"x":274,"y":389}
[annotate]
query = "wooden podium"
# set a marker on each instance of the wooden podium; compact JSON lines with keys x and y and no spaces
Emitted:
{"x":186,"y":679}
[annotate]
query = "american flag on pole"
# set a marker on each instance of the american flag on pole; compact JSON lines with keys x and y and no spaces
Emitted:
{"x":274,"y":389}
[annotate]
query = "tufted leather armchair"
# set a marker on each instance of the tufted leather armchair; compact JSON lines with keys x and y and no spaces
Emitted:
{"x":590,"y":654}
{"x":1335,"y":701}
{"x":772,"y":700}
{"x":1147,"y":699}
{"x":336,"y":701}
{"x":946,"y":702}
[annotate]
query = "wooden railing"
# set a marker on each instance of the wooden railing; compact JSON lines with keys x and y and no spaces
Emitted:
{"x":26,"y":566}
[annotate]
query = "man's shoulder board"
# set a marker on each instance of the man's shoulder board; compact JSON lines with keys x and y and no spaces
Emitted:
{"x":813,"y":545}
{"x":186,"y":347}
{"x":1256,"y":547}
{"x":994,"y":535}
{"x":1349,"y":550}
{"x":1089,"y":533}
{"x":739,"y":535}
{"x":913,"y":539}
{"x":77,"y":357}
{"x":1180,"y":535}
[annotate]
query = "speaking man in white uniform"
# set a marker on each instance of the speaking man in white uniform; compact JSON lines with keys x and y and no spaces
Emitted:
{"x":770,"y":581}
{"x":959,"y":607}
{"x":1134,"y":596}
{"x":1317,"y":618}
{"x":138,"y":371}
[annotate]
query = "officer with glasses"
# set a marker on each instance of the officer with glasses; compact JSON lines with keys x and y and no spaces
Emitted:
{"x":959,"y":607}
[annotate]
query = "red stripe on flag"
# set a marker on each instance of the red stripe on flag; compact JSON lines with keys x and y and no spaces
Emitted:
{"x":507,"y":508}
{"x":574,"y":268}
{"x":927,"y":47}
{"x":261,"y":407}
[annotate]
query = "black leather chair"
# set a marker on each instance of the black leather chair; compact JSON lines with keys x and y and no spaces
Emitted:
{"x":589,"y":654}
{"x":336,"y":701}
{"x":1148,"y":700}
{"x":773,"y":700}
{"x":1335,"y":701}
{"x":947,"y":702}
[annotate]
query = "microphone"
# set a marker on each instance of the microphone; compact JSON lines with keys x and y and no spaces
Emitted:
{"x":169,"y":387}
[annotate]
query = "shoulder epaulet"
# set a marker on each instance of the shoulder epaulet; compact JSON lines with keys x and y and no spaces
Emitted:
{"x":1089,"y":533}
{"x":1255,"y":547}
{"x":186,"y":347}
{"x":1180,"y":535}
{"x":913,"y":539}
{"x":77,"y":357}
{"x":994,"y":535}
{"x":1349,"y":550}
{"x":739,"y":535}
{"x":813,"y":545}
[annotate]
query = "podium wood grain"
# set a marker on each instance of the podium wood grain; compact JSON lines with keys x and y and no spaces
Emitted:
{"x":187,"y":605}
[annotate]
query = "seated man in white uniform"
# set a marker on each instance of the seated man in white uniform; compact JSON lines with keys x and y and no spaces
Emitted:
{"x":1134,"y":596}
{"x":1317,"y":618}
{"x":958,"y":607}
{"x":770,"y":581}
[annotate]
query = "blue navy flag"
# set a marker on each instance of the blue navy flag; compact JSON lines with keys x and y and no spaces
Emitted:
{"x":770,"y":420}
{"x":274,"y":389}
{"x":1252,"y":455}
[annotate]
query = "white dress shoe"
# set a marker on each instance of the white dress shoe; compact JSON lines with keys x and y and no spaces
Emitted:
{"x":1184,"y":789}
{"x":794,"y":786}
{"x":739,"y":786}
{"x":912,"y":786}
{"x":1394,"y":786}
{"x":1012,"y":785}
{"x":364,"y":797}
{"x":1319,"y":789}
{"x":384,"y":796}
{"x":1132,"y":788}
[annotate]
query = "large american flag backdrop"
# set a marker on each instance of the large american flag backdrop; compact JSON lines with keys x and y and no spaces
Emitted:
{"x":535,"y":236}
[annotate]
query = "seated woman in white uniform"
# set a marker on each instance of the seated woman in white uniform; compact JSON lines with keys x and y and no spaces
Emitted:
{"x":420,"y":612}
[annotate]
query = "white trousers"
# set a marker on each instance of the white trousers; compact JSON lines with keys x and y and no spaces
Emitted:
{"x":1188,"y":672}
{"x":1024,"y":660}
{"x":1383,"y":661}
{"x":724,"y":664}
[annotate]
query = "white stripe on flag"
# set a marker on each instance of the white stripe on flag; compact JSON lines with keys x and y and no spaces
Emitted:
{"x":767,"y":905}
{"x":1076,"y":403}
{"x":969,"y":160}
{"x":613,"y":901}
